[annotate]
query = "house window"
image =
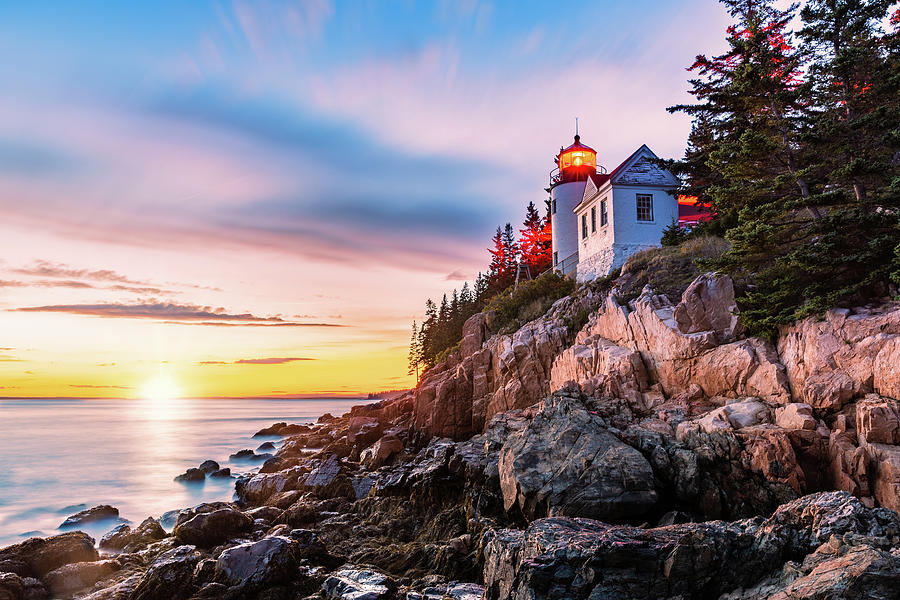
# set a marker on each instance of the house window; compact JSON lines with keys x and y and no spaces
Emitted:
{"x":593,"y":219}
{"x":554,"y":206}
{"x":645,"y":207}
{"x":556,"y":258}
{"x":604,"y":218}
{"x":583,"y":226}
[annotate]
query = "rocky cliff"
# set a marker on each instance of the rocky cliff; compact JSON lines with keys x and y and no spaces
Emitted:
{"x":609,"y":449}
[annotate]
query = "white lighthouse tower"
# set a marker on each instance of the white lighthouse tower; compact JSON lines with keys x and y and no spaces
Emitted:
{"x":567,"y":181}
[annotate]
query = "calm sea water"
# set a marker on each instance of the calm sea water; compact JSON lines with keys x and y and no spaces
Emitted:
{"x":60,"y":456}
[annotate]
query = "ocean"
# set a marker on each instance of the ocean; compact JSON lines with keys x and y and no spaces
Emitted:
{"x":59,"y":456}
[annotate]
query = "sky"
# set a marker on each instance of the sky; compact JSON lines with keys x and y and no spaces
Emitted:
{"x":256,"y":198}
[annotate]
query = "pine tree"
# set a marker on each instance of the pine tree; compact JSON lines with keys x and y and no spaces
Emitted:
{"x":427,"y":334}
{"x":534,"y":244}
{"x":798,"y":172}
{"x":497,"y":267}
{"x":415,"y":353}
{"x":853,"y":103}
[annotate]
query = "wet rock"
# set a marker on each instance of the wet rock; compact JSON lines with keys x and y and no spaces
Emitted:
{"x":326,"y":418}
{"x":77,"y":576}
{"x":269,"y":561}
{"x":244,"y":454}
{"x":275,"y":464}
{"x":282,"y":429}
{"x":269,"y":514}
{"x":209,"y":466}
{"x":221,"y":473}
{"x":124,"y":538}
{"x":170,"y":576}
{"x":208,"y":529}
{"x":260,"y":487}
{"x":327,"y":480}
{"x":354,"y":584}
{"x":90,"y":515}
{"x":191,"y":475}
{"x":266,"y":447}
{"x":565,"y":462}
{"x":42,"y":555}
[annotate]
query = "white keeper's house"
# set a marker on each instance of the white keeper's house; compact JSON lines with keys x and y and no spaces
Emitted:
{"x":600,"y":218}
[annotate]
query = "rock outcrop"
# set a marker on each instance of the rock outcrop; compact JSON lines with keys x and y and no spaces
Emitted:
{"x":565,"y":462}
{"x":581,"y":558}
{"x":845,"y":355}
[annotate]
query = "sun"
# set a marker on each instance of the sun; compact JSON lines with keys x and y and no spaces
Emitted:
{"x":161,"y":389}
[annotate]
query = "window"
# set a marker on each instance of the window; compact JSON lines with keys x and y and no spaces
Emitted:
{"x":604,"y":218}
{"x":556,"y":258}
{"x":593,"y":219}
{"x":583,"y":226}
{"x":554,"y":206}
{"x":644,"y":207}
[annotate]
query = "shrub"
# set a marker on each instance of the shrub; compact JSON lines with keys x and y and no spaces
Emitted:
{"x":668,"y":270}
{"x":516,"y":306}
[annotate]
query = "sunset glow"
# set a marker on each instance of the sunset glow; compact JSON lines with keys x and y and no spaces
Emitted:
{"x":261,"y":198}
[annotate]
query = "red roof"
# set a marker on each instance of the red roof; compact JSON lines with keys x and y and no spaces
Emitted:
{"x":599,"y":178}
{"x":576,"y":146}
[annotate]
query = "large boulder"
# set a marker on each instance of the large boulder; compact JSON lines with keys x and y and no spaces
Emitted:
{"x":207,"y":529}
{"x":269,"y":561}
{"x":124,"y":538}
{"x":42,"y":555}
{"x":261,"y":487}
{"x":382,"y":450}
{"x":77,"y":576}
{"x":708,"y":304}
{"x":170,"y":576}
{"x":103,"y":512}
{"x":566,"y":462}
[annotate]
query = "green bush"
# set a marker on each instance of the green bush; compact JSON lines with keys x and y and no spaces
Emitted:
{"x":670,"y":269}
{"x":516,"y":306}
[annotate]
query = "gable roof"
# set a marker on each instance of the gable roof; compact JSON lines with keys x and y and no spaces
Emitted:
{"x":643,"y":152}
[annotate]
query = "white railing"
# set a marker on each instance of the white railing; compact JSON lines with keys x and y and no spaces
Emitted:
{"x":568,"y":265}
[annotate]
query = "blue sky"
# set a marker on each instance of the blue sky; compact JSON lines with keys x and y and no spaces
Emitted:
{"x":368,"y":149}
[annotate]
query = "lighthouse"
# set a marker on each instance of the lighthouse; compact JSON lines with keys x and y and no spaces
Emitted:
{"x":574,"y":165}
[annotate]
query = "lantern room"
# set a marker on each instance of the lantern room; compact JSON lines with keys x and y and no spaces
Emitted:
{"x":576,"y":162}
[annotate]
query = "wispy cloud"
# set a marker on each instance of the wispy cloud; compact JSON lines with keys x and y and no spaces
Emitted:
{"x":269,"y":361}
{"x":168,"y":312}
{"x":279,"y":360}
{"x":456,"y":275}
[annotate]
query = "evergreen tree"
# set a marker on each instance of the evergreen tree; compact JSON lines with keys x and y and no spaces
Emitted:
{"x":497,"y":266}
{"x":427,"y":341}
{"x":534,"y":245}
{"x":466,"y":300}
{"x":480,"y":291}
{"x":853,"y":102}
{"x":673,"y":234}
{"x":415,"y":353}
{"x":798,"y":173}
